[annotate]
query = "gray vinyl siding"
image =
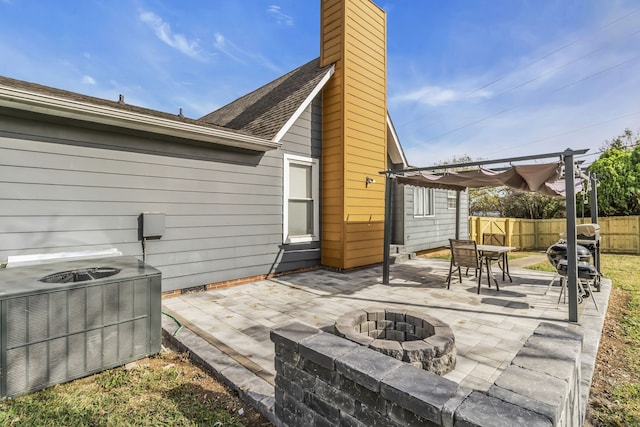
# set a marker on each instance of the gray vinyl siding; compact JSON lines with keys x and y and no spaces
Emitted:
{"x":435,"y":231}
{"x":65,"y":188}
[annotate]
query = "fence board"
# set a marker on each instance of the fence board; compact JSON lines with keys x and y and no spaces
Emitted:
{"x":618,"y":234}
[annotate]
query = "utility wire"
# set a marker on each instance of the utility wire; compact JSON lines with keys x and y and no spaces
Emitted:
{"x":541,"y":75}
{"x":523,"y":103}
{"x":566,"y":133}
{"x":608,"y":24}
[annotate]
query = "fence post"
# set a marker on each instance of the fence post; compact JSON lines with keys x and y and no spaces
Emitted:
{"x":507,"y":231}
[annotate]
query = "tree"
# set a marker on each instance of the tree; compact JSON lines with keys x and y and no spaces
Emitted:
{"x":618,"y":172}
{"x":517,"y":204}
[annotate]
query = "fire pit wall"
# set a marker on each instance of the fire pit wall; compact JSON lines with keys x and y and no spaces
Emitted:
{"x":422,"y":341}
{"x":325,"y":380}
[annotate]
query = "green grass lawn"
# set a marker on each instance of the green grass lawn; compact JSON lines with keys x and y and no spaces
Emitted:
{"x":165,"y":390}
{"x":625,"y":397}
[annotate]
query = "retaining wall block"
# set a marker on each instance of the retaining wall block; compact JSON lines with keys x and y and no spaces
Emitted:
{"x":367,"y":326}
{"x":414,"y":318}
{"x":552,"y":330}
{"x":324,"y":348}
{"x":358,"y":316}
{"x":329,"y":376}
{"x":450,"y":406}
{"x":394,"y":335}
{"x":395,"y":314}
{"x":384,"y":324}
{"x":290,"y":334}
{"x":390,"y":348}
{"x":343,"y":328}
{"x":363,"y":395}
{"x":286,"y":354}
{"x":401,"y":417}
{"x":537,"y":360}
{"x":480,"y":410}
{"x":423,"y":333}
{"x":291,"y":388}
{"x":417,"y":351}
{"x":339,"y":398}
{"x":442,"y":344}
{"x":347,"y":420}
{"x":418,"y":391}
{"x":378,"y":334}
{"x":361,"y":339}
{"x":366,"y":367}
{"x":321,"y":407}
{"x":295,"y":412}
{"x":532,"y":390}
{"x":405,"y":327}
{"x":374,"y":313}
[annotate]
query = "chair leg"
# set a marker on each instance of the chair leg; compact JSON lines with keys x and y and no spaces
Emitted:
{"x":450,"y":274}
{"x":480,"y":277}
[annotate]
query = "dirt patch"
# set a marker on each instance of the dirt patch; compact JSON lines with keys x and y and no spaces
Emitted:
{"x":610,"y":369}
{"x":206,"y":386}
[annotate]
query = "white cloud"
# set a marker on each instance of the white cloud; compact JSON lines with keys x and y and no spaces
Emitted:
{"x":163,"y":31}
{"x":228,"y":48}
{"x":233,"y":51}
{"x":88,"y":80}
{"x":280,"y":17}
{"x":435,"y":96}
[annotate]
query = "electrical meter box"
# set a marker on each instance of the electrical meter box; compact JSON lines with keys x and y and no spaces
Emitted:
{"x":153,"y":224}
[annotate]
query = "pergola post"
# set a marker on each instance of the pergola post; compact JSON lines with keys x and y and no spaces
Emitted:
{"x":572,"y":255}
{"x":593,"y":181}
{"x":458,"y":215}
{"x":388,"y":225}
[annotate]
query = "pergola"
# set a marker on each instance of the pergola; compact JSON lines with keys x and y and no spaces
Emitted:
{"x":543,"y":178}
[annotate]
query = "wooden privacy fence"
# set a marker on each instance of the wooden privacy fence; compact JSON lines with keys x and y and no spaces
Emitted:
{"x":620,"y":234}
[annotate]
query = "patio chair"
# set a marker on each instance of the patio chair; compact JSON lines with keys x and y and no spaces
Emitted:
{"x":464,"y":253}
{"x":496,"y":239}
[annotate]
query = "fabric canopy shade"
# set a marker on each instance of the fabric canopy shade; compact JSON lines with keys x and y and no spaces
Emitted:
{"x":540,"y":178}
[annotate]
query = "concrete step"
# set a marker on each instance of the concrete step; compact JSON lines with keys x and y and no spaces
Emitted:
{"x":399,"y":258}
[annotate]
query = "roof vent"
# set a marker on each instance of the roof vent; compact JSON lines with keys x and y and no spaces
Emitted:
{"x":180,"y":113}
{"x":121,"y":99}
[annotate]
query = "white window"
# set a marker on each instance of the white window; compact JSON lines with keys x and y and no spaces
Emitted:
{"x":301,"y":199}
{"x":423,"y":202}
{"x":451,"y":199}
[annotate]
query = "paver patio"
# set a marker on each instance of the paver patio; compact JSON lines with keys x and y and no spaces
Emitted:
{"x":489,"y":328}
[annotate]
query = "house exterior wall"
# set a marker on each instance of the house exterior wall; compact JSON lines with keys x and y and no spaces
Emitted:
{"x":66,"y":188}
{"x":353,"y":36}
{"x":435,"y":231}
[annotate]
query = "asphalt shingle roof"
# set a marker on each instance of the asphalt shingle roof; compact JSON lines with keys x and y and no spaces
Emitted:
{"x":73,"y":96}
{"x":265,"y":111}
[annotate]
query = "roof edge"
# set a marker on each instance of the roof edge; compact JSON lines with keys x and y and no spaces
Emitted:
{"x":34,"y":102}
{"x":285,"y":128}
{"x":397,"y":151}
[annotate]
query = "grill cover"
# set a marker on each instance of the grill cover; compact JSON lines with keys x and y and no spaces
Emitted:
{"x":588,"y":232}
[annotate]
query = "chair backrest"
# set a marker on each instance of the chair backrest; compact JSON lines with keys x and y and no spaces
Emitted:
{"x":464,"y":253}
{"x":495,"y":239}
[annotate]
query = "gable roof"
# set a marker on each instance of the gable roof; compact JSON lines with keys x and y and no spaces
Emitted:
{"x":269,"y":111}
{"x":29,"y":97}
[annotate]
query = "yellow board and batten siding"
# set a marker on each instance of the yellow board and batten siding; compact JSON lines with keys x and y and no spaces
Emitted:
{"x":354,"y":147}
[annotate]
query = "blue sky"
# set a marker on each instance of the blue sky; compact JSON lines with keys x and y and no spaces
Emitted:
{"x":483,"y":78}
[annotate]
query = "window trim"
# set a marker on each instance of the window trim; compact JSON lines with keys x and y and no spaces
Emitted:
{"x":429,"y":191}
{"x":455,"y":199}
{"x":289,"y":159}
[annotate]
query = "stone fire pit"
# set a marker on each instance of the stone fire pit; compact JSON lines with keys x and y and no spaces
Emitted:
{"x":418,"y":339}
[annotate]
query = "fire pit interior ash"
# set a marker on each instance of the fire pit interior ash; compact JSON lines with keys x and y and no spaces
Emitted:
{"x":418,"y":339}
